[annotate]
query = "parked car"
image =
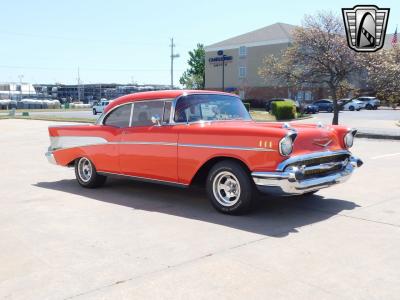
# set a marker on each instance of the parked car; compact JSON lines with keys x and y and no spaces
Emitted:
{"x":324,"y":105}
{"x":183,"y":138}
{"x":99,"y":107}
{"x":268,"y":103}
{"x":351,"y":104}
{"x":311,"y":109}
{"x":369,"y":102}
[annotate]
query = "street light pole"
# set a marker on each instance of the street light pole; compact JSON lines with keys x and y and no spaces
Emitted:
{"x":223,"y":72}
{"x":173,"y":56}
{"x":221,"y":53}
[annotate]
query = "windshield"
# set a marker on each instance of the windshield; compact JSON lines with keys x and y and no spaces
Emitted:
{"x":210,"y":107}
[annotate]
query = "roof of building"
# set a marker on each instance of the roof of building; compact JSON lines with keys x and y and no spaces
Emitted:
{"x":273,"y":34}
{"x":155,"y":95}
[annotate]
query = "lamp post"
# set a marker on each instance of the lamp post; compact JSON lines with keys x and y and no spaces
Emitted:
{"x":221,"y":53}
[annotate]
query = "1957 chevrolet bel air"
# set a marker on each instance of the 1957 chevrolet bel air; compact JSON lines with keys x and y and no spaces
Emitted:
{"x":186,"y":137}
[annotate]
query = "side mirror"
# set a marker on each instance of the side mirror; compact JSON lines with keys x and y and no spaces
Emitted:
{"x":156,"y":120}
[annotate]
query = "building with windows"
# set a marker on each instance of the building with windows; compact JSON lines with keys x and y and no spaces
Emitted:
{"x":244,"y":54}
{"x":88,"y":93}
{"x":16,"y":91}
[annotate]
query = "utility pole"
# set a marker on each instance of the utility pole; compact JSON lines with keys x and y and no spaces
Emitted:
{"x":79,"y":86}
{"x":173,"y":56}
{"x":20,"y":86}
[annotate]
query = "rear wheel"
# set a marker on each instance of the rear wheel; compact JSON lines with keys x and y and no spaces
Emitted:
{"x":94,"y":111}
{"x":369,"y":106}
{"x":230,"y":189}
{"x":86,"y":174}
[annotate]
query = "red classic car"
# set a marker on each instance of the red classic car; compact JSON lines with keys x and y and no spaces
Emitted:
{"x":185,"y":137}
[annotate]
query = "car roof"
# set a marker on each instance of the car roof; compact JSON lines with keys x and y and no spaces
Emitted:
{"x":157,"y":95}
{"x":323,"y":100}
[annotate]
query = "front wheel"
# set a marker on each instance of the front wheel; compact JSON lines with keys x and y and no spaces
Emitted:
{"x":86,"y":174}
{"x":351,"y":108}
{"x":230,"y":189}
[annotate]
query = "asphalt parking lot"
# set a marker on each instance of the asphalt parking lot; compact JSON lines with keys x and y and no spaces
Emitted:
{"x":132,"y":240}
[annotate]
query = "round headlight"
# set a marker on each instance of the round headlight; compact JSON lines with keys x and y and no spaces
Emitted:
{"x":286,"y":146}
{"x":349,"y":139}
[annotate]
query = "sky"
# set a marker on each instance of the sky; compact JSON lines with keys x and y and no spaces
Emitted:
{"x":123,"y":41}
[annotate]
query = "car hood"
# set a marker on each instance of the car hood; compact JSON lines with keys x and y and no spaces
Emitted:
{"x":310,"y":137}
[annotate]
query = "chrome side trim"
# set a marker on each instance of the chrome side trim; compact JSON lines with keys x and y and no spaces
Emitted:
{"x":297,"y":158}
{"x":146,"y":179}
{"x":62,"y":142}
{"x":226,"y":147}
{"x":67,"y":142}
{"x":144,"y":143}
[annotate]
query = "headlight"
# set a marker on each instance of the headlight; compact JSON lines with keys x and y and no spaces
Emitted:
{"x":286,"y":144}
{"x":349,"y":138}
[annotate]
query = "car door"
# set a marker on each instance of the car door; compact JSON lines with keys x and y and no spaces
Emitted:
{"x":150,"y":150}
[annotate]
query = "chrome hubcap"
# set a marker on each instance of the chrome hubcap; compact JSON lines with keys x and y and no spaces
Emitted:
{"x":226,"y":188}
{"x":85,"y":169}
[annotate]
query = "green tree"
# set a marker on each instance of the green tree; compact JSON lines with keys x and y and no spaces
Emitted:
{"x":319,"y":56}
{"x":193,"y":77}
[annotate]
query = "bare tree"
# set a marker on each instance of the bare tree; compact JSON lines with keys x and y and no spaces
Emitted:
{"x":319,"y":56}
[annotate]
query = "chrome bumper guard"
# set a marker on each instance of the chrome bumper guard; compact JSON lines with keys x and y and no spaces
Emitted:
{"x":50,"y":157}
{"x":294,"y":181}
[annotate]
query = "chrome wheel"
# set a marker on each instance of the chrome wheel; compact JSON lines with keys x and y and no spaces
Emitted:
{"x":226,"y":189}
{"x":85,"y":169}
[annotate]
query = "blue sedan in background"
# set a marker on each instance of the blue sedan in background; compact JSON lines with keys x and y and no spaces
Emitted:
{"x":324,"y":105}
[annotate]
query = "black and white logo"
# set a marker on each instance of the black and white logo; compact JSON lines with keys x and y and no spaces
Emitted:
{"x":365,"y":27}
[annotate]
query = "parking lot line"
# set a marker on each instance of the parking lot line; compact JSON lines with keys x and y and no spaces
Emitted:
{"x":385,"y":155}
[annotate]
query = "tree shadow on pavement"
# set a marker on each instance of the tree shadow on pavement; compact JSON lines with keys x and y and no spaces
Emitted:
{"x":275,"y":217}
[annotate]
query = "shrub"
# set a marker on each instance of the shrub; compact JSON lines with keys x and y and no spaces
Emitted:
{"x":283,"y":110}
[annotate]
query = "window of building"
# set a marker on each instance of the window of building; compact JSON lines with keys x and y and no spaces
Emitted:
{"x":119,"y":117}
{"x":242,"y":72}
{"x":143,"y":111}
{"x":242,"y":51}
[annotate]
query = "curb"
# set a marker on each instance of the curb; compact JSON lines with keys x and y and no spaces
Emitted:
{"x":377,"y":136}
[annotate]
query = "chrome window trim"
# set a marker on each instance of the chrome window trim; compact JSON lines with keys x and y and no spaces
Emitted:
{"x":200,"y":121}
{"x":105,"y":116}
{"x":130,"y":117}
{"x":100,"y":120}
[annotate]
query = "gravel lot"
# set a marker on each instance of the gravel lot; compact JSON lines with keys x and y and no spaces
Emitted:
{"x":132,"y":240}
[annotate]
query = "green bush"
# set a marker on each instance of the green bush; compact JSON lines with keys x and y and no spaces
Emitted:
{"x":283,"y":110}
{"x":247,"y":105}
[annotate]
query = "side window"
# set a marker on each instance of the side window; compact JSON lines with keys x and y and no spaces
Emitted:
{"x":143,"y":111}
{"x":119,"y":117}
{"x":167,"y":112}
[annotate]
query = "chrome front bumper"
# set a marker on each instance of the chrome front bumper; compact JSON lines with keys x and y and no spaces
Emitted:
{"x":293,"y":181}
{"x":50,"y":157}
